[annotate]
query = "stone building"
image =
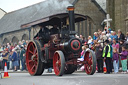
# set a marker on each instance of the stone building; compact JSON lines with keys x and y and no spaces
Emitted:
{"x":11,"y":23}
{"x":118,"y":10}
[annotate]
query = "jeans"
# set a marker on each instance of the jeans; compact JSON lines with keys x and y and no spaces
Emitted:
{"x":115,"y":65}
{"x":49,"y":69}
{"x":22,"y":63}
{"x":10,"y":64}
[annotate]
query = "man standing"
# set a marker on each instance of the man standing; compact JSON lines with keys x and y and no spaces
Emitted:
{"x":98,"y":52}
{"x":22,"y":57}
{"x":121,"y":36}
{"x":107,"y":56}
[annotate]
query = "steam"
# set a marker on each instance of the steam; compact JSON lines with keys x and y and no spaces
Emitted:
{"x":58,"y":4}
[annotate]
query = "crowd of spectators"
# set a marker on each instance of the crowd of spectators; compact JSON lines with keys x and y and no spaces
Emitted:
{"x":119,"y":48}
{"x":13,"y":55}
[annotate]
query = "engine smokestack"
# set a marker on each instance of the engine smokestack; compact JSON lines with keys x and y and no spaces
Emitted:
{"x":71,"y":19}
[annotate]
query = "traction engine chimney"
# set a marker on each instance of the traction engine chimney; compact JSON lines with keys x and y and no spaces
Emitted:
{"x":71,"y":20}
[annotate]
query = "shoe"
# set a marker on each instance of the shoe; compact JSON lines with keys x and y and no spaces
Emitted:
{"x":49,"y":71}
{"x":106,"y":73}
{"x":125,"y":72}
{"x":122,"y":72}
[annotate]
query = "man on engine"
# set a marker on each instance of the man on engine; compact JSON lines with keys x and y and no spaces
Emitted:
{"x":43,"y":34}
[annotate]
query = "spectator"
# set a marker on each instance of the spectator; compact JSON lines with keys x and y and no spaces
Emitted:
{"x":1,"y":59}
{"x":108,"y":34}
{"x":126,"y":36}
{"x":120,"y":35}
{"x":115,"y":60}
{"x":82,"y":39}
{"x":103,"y":37}
{"x":110,"y":41}
{"x":5,"y":56}
{"x":14,"y":59}
{"x":95,"y":36}
{"x":90,"y":40}
{"x":120,"y":46}
{"x":22,"y":56}
{"x":114,"y":36}
{"x":98,"y":52}
{"x":124,"y":55}
{"x":115,"y":45}
{"x":107,"y":57}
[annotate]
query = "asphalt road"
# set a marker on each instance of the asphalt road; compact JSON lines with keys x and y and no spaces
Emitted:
{"x":77,"y":78}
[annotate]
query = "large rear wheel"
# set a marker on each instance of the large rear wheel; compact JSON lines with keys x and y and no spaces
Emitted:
{"x":33,"y":58}
{"x":90,"y":59}
{"x":59,"y":63}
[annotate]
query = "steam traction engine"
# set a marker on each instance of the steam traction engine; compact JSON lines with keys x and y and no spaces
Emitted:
{"x":62,"y":50}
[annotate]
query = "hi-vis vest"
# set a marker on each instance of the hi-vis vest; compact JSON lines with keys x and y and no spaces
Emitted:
{"x":109,"y":51}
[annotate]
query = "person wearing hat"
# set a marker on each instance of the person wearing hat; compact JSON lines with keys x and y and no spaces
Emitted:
{"x":22,"y":57}
{"x":107,"y":55}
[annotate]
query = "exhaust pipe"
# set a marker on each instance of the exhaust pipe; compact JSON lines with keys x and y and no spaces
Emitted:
{"x":71,"y":20}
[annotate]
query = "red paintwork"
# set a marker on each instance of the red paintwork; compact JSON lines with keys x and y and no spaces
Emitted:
{"x":72,"y":45}
{"x":87,"y":65}
{"x":31,"y":64}
{"x":56,"y":63}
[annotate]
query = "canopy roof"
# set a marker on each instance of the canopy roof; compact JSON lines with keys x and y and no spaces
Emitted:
{"x":54,"y":20}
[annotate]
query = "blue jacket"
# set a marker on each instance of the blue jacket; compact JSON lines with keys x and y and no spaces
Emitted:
{"x":14,"y":56}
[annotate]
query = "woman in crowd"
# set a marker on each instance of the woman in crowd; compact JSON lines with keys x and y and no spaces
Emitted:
{"x":14,"y":59}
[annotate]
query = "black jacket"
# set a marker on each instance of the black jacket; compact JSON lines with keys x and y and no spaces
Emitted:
{"x":122,"y":37}
{"x":43,"y":33}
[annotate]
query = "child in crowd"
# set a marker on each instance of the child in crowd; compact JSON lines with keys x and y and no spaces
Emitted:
{"x":84,"y":49}
{"x":82,"y":53}
{"x":124,"y":55}
{"x":115,"y":59}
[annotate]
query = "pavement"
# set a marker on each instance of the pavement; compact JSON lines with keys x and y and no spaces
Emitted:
{"x":77,"y":78}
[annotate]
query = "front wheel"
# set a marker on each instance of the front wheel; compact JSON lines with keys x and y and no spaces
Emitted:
{"x":59,"y":63}
{"x":33,"y":58}
{"x":90,"y":65}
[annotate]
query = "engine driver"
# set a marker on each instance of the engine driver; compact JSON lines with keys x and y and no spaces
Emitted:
{"x":54,"y":30}
{"x":43,"y":34}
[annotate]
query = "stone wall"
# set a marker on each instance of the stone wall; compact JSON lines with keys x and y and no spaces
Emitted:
{"x":95,"y":16}
{"x":9,"y":37}
{"x":118,"y":11}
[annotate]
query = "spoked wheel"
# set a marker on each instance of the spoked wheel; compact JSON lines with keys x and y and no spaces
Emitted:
{"x":33,"y":61}
{"x":90,"y":66}
{"x":69,"y":69}
{"x":59,"y":63}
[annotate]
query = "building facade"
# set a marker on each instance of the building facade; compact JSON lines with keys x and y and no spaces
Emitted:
{"x":118,"y":10}
{"x":12,"y":32}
